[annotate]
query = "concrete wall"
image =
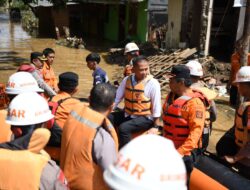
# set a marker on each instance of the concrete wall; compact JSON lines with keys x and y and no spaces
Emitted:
{"x":174,"y":23}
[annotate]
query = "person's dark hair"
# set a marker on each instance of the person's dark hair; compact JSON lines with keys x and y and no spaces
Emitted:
{"x":187,"y":82}
{"x":68,"y":82}
{"x":35,"y":55}
{"x":93,"y":57}
{"x":102,"y":96}
{"x":48,"y":51}
{"x":139,"y":59}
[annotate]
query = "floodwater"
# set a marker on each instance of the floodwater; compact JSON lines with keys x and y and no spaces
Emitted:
{"x":16,"y":46}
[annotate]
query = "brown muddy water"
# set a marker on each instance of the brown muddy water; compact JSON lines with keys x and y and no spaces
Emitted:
{"x":16,"y":46}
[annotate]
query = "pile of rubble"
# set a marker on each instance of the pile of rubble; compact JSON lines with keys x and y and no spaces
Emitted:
{"x":214,"y":69}
{"x":215,"y":73}
{"x":71,"y":42}
{"x":160,"y":65}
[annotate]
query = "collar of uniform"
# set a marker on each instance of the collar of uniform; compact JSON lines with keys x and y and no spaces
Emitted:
{"x":64,"y":94}
{"x":134,"y":82}
{"x":46,"y":65}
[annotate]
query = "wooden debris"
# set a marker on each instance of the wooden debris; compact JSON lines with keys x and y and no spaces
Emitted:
{"x":161,"y":64}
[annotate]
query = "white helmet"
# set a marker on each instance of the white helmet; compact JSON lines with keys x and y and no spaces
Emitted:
{"x":146,"y":163}
{"x":22,"y":82}
{"x":195,"y":68}
{"x":243,"y":75}
{"x":131,"y":47}
{"x":28,"y":108}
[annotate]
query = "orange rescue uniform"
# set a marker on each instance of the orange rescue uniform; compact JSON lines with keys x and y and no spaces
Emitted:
{"x":235,"y":66}
{"x":5,"y":131}
{"x":49,"y":76}
{"x":184,"y":120}
{"x":61,"y":115}
{"x":77,"y":145}
{"x":65,"y":107}
{"x":242,"y":125}
{"x":21,"y":169}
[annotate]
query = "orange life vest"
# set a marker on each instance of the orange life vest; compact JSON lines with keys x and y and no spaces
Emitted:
{"x":175,"y":126}
{"x":242,"y":128}
{"x":5,"y":131}
{"x":76,"y":156}
{"x":60,"y":106}
{"x":207,"y":104}
{"x":21,"y":169}
{"x":136,"y":103}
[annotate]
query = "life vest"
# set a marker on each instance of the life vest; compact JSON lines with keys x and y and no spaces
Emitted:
{"x":175,"y":126}
{"x":76,"y":156}
{"x":136,"y":103}
{"x":200,"y":93}
{"x":5,"y":131}
{"x":242,"y":127}
{"x":55,"y":124}
{"x":21,"y":169}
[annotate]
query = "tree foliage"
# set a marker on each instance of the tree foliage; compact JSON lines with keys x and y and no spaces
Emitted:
{"x":3,"y":3}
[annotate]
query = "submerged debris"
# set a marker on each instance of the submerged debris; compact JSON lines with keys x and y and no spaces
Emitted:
{"x":71,"y":42}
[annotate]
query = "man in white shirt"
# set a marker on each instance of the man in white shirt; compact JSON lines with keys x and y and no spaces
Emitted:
{"x":142,"y":98}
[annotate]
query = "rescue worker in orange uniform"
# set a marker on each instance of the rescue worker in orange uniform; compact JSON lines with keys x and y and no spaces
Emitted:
{"x":61,"y":106}
{"x":17,"y":83}
{"x":35,"y":68}
{"x":184,"y":116}
{"x":234,"y":146}
{"x":131,"y":51}
{"x":142,"y":98}
{"x":89,"y":141}
{"x":235,"y":66}
{"x":22,"y":161}
{"x":47,"y":71}
{"x":68,"y":83}
{"x":196,"y":72}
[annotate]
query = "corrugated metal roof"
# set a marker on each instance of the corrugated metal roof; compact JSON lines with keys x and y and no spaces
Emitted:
{"x":45,"y":3}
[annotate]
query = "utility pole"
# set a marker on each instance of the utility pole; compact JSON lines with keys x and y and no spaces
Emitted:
{"x":244,"y":41}
{"x":209,"y":25}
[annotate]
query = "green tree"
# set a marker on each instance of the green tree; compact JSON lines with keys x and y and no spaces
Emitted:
{"x":2,"y":2}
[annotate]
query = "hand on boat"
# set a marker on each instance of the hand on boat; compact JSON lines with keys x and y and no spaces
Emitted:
{"x":153,"y":131}
{"x":230,"y":159}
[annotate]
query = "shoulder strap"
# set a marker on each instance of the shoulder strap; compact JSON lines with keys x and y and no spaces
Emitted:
{"x":62,"y":100}
{"x":245,"y":113}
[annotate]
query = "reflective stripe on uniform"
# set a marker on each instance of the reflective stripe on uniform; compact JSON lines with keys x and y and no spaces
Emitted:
{"x":84,"y":120}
